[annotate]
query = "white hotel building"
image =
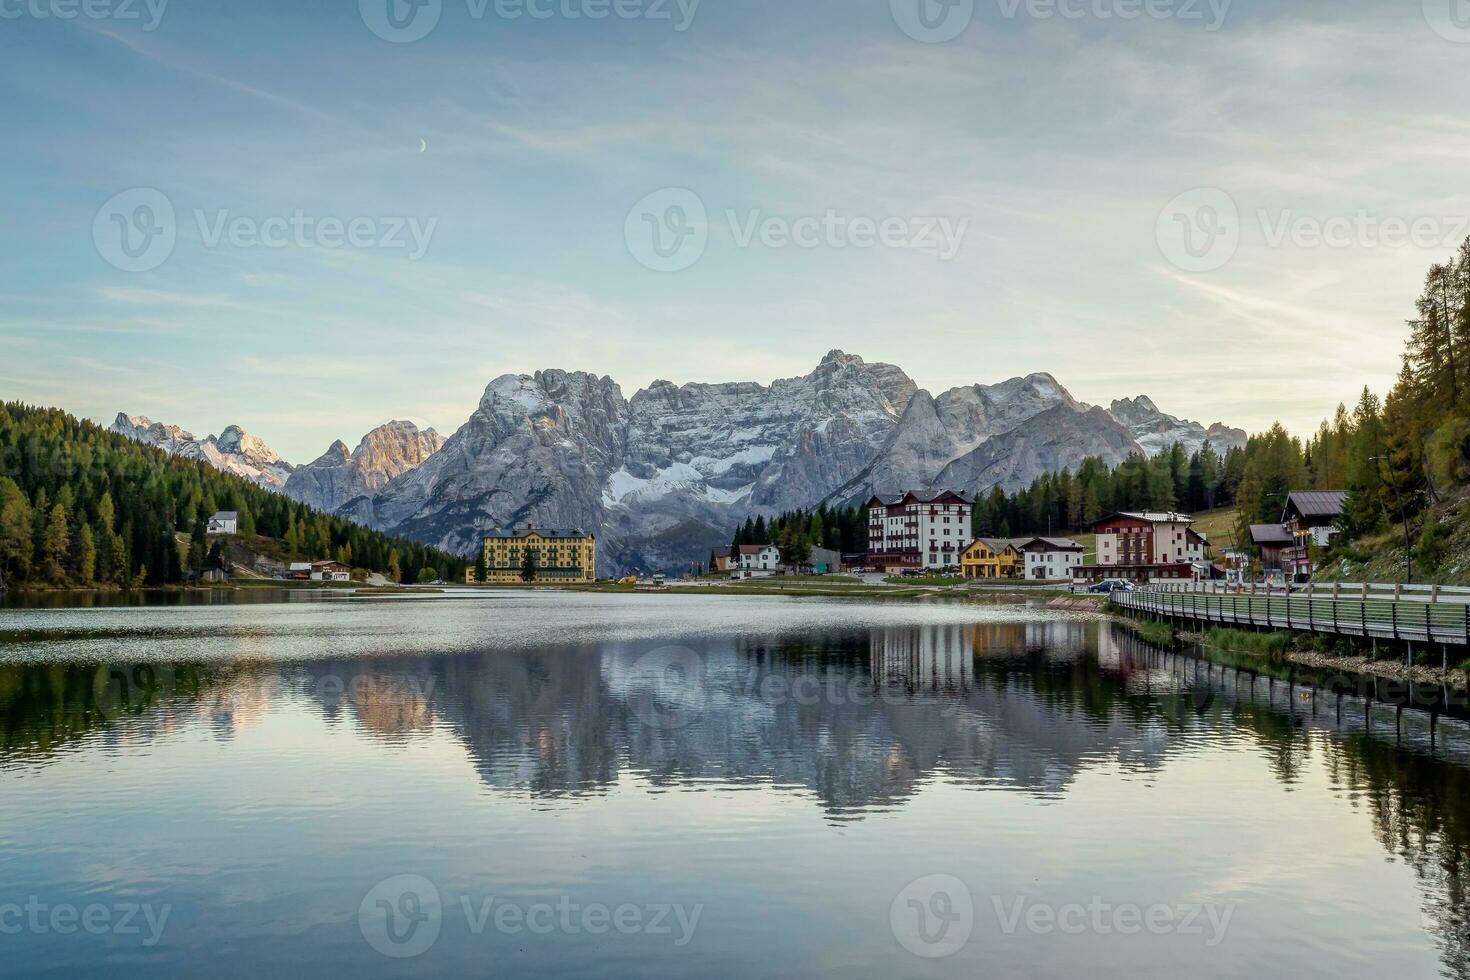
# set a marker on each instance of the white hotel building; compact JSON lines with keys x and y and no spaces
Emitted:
{"x":925,"y":529}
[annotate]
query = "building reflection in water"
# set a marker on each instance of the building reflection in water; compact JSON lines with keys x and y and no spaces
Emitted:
{"x":858,"y":722}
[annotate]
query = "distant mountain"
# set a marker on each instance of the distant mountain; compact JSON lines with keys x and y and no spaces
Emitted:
{"x":666,"y":474}
{"x":1058,"y":439}
{"x":340,"y":475}
{"x":1156,"y":431}
{"x":233,"y":451}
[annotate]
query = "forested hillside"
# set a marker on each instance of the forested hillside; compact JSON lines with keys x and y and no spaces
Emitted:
{"x":1404,"y":460}
{"x":81,"y":506}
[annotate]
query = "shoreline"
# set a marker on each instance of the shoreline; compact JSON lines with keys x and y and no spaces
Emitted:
{"x":1362,"y":665}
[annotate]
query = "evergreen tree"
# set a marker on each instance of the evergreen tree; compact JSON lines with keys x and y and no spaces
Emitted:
{"x":55,"y":544}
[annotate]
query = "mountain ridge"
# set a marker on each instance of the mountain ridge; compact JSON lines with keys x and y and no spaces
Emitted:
{"x":665,"y":474}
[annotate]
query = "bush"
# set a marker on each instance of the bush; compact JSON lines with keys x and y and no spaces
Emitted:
{"x":1272,"y":646}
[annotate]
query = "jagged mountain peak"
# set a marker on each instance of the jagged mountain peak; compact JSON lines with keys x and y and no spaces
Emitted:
{"x":232,"y":451}
{"x":1157,"y":431}
{"x":340,"y":476}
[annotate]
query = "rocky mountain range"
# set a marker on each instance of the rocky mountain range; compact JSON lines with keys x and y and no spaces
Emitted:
{"x":234,"y":450}
{"x":342,"y":476}
{"x":666,"y":474}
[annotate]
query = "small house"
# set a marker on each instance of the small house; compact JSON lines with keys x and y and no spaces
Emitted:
{"x":1271,"y":540}
{"x":990,"y":558}
{"x":758,"y":558}
{"x":330,"y":571}
{"x":223,"y":522}
{"x":1050,"y":559}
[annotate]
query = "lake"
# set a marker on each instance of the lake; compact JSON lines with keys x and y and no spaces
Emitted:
{"x":556,"y":785}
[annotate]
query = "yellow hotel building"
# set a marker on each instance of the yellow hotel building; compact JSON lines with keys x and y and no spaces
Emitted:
{"x":559,"y":557}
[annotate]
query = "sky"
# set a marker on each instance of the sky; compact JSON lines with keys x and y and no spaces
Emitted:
{"x":309,"y":218}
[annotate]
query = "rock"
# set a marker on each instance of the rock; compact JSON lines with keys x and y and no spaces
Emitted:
{"x":1057,"y":439}
{"x":340,"y":475}
{"x":233,"y":451}
{"x":1157,"y":432}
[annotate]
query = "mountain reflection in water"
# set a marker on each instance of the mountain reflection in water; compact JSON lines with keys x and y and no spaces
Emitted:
{"x":860,"y":722}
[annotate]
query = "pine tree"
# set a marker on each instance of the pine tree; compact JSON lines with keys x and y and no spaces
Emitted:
{"x":86,"y":555}
{"x":55,"y":544}
{"x":15,"y":530}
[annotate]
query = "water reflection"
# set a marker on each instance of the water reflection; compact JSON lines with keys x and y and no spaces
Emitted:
{"x":857,"y":721}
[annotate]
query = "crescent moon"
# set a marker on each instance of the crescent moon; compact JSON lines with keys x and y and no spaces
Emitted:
{"x":423,"y":146}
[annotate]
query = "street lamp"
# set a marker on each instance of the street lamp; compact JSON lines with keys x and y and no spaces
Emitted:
{"x":1404,"y":514}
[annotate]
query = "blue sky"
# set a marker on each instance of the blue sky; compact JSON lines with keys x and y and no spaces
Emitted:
{"x":1059,"y":151}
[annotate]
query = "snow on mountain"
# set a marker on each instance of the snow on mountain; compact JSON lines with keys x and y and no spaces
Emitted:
{"x":1157,"y":432}
{"x":663,"y":476}
{"x":233,"y":451}
{"x":340,"y":476}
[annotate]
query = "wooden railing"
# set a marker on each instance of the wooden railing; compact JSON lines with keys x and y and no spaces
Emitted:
{"x":1427,"y":614}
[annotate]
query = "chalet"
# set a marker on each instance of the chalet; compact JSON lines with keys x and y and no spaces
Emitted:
{"x":1310,"y":518}
{"x":1146,"y":547}
{"x":330,"y":571}
{"x":757,"y":558}
{"x":990,"y":558}
{"x":925,"y":529}
{"x":223,"y":522}
{"x":1050,"y":559}
{"x":1271,"y":540}
{"x":299,"y":571}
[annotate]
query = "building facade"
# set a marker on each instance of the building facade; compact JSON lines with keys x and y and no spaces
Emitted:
{"x":990,"y":558}
{"x":758,"y":558}
{"x":557,"y":557}
{"x":1146,"y":547}
{"x":1271,"y":540}
{"x":925,"y":529}
{"x":1310,"y":519}
{"x":719,"y":560}
{"x":223,"y":522}
{"x":1050,"y":559}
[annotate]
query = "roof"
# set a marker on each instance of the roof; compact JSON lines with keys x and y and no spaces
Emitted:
{"x":543,"y":532}
{"x":1270,"y":534}
{"x":720,"y":552}
{"x":1056,"y":544}
{"x":224,"y":515}
{"x":919,"y":497}
{"x":1317,"y":503}
{"x":996,"y":545}
{"x":1154,"y":517}
{"x":754,"y":549}
{"x":930,"y":496}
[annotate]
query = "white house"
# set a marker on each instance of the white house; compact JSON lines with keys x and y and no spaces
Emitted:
{"x":926,"y":529}
{"x":758,"y":558}
{"x":330,"y":571}
{"x":1050,"y":559}
{"x":223,"y":522}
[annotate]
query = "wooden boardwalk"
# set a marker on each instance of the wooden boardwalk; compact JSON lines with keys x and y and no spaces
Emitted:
{"x":1429,"y":618}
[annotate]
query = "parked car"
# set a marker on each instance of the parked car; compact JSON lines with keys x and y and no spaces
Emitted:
{"x":1111,"y":585}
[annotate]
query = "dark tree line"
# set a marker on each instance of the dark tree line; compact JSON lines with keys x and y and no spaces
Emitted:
{"x":1058,"y":503}
{"x":796,"y":533}
{"x":83,"y":506}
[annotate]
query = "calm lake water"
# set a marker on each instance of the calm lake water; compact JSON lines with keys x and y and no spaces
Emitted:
{"x":549,"y":785}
